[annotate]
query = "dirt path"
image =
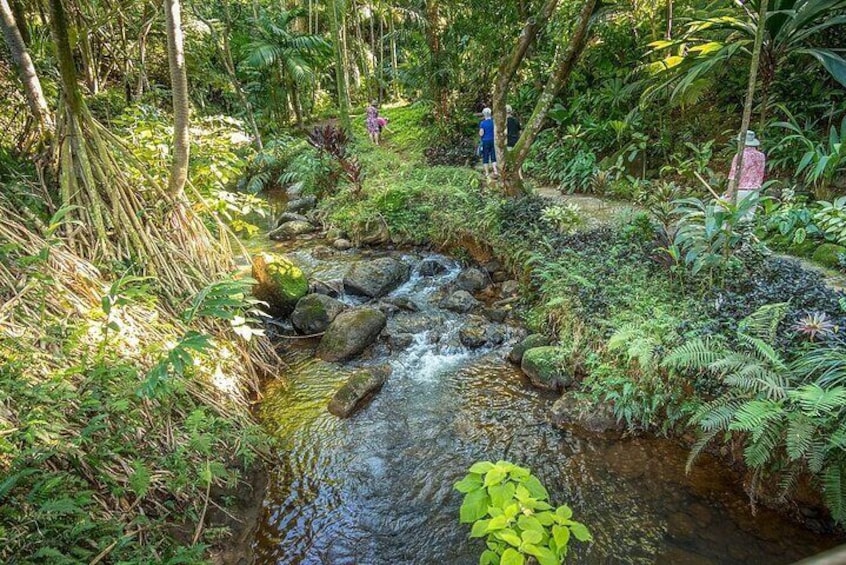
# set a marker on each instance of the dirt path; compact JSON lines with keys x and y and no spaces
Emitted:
{"x":597,"y":211}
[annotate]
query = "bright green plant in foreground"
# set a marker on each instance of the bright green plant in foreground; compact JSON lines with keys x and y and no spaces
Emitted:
{"x":509,"y":507}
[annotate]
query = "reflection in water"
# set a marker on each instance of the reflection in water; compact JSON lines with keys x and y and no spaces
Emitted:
{"x":377,"y":488}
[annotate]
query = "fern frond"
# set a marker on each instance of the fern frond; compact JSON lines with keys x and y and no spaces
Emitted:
{"x":696,"y":354}
{"x":755,"y":415}
{"x":763,"y":323}
{"x":800,"y":436}
{"x":697,"y":448}
{"x":762,"y":447}
{"x":833,"y":492}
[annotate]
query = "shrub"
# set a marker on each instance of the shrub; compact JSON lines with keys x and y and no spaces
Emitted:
{"x":509,"y":507}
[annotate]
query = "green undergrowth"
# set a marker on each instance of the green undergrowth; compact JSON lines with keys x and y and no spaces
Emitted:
{"x":117,"y":420}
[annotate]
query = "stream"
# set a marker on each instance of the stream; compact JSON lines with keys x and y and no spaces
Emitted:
{"x":376,"y":488}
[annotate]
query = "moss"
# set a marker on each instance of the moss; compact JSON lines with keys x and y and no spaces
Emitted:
{"x":546,"y":367}
{"x":280,"y":283}
{"x":828,"y":255}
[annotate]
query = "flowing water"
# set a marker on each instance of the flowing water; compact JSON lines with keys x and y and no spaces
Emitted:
{"x":377,"y":488}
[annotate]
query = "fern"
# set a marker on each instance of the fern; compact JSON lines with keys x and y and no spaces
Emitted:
{"x":764,"y":322}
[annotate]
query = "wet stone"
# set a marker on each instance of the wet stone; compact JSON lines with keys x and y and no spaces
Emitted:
{"x":329,"y":288}
{"x":460,"y":301}
{"x":301,"y":205}
{"x":358,"y":388}
{"x":431,"y":267}
{"x":290,"y":217}
{"x":350,"y":333}
{"x":315,"y":312}
{"x":509,"y":288}
{"x":496,"y":314}
{"x":375,"y":278}
{"x":472,"y":280}
{"x":291,"y":229}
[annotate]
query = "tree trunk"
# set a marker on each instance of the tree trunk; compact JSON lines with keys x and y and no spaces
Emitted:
{"x":179,"y":87}
{"x":26,"y":70}
{"x":336,"y":22}
{"x":564,"y":62}
{"x":750,"y":99}
{"x":394,"y":58}
{"x":20,"y":17}
{"x":433,"y":38}
{"x":669,"y":34}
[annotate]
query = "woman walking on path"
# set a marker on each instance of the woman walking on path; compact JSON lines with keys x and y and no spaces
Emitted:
{"x":372,"y":122}
{"x":486,"y":133}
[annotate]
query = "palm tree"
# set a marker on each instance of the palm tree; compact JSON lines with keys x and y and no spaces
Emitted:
{"x":26,"y":69}
{"x":288,"y":56}
{"x":179,"y":87}
{"x":791,"y":28}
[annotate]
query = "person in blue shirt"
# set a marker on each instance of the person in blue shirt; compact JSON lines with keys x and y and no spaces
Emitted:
{"x":486,"y":133}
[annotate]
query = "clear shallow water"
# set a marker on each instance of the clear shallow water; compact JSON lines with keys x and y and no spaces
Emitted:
{"x":377,"y":488}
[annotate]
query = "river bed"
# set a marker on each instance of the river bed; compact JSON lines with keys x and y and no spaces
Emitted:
{"x":377,"y":488}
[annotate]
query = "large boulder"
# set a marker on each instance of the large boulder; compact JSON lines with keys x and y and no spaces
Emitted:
{"x":460,"y":301}
{"x":350,"y":333}
{"x":471,"y":280}
{"x":279,"y":283}
{"x":571,"y":410}
{"x":291,"y":229}
{"x":315,"y":312}
{"x":358,"y":388}
{"x":375,"y":278}
{"x":546,"y":367}
{"x":530,"y":341}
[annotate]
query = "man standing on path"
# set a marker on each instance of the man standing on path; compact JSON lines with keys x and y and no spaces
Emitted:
{"x":486,"y":133}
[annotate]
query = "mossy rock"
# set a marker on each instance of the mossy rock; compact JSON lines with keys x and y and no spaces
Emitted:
{"x":358,"y":388}
{"x":546,"y":367}
{"x":279,"y":283}
{"x":315,"y":312}
{"x":828,"y":255}
{"x":531,"y":341}
{"x":350,"y":333}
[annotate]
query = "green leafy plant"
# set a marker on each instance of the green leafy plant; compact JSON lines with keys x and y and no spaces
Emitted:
{"x":823,"y":161}
{"x":831,"y":219}
{"x":565,"y":217}
{"x":509,"y":507}
{"x":709,"y":233}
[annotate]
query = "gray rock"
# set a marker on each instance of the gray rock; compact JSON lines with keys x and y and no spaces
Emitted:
{"x":290,"y":217}
{"x":350,"y":333}
{"x":533,"y":340}
{"x":375,"y":278}
{"x":460,"y":301}
{"x":403,"y":303}
{"x":329,"y":288}
{"x":315,"y":312}
{"x":412,"y":323}
{"x":492,"y":266}
{"x":302,"y":205}
{"x":387,"y":308}
{"x":471,"y":280}
{"x":291,"y":229}
{"x":545,"y":367}
{"x":430,"y":267}
{"x":400,"y":341}
{"x":572,"y":410}
{"x":496,"y":314}
{"x":342,"y":244}
{"x":510,"y":288}
{"x":499,"y":276}
{"x":477,"y":332}
{"x":358,"y":388}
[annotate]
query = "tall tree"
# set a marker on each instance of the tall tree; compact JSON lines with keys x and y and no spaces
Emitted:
{"x":440,"y":93}
{"x":336,"y":23}
{"x":563,"y":63}
{"x":26,"y":69}
{"x":179,"y":88}
{"x":750,"y":97}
